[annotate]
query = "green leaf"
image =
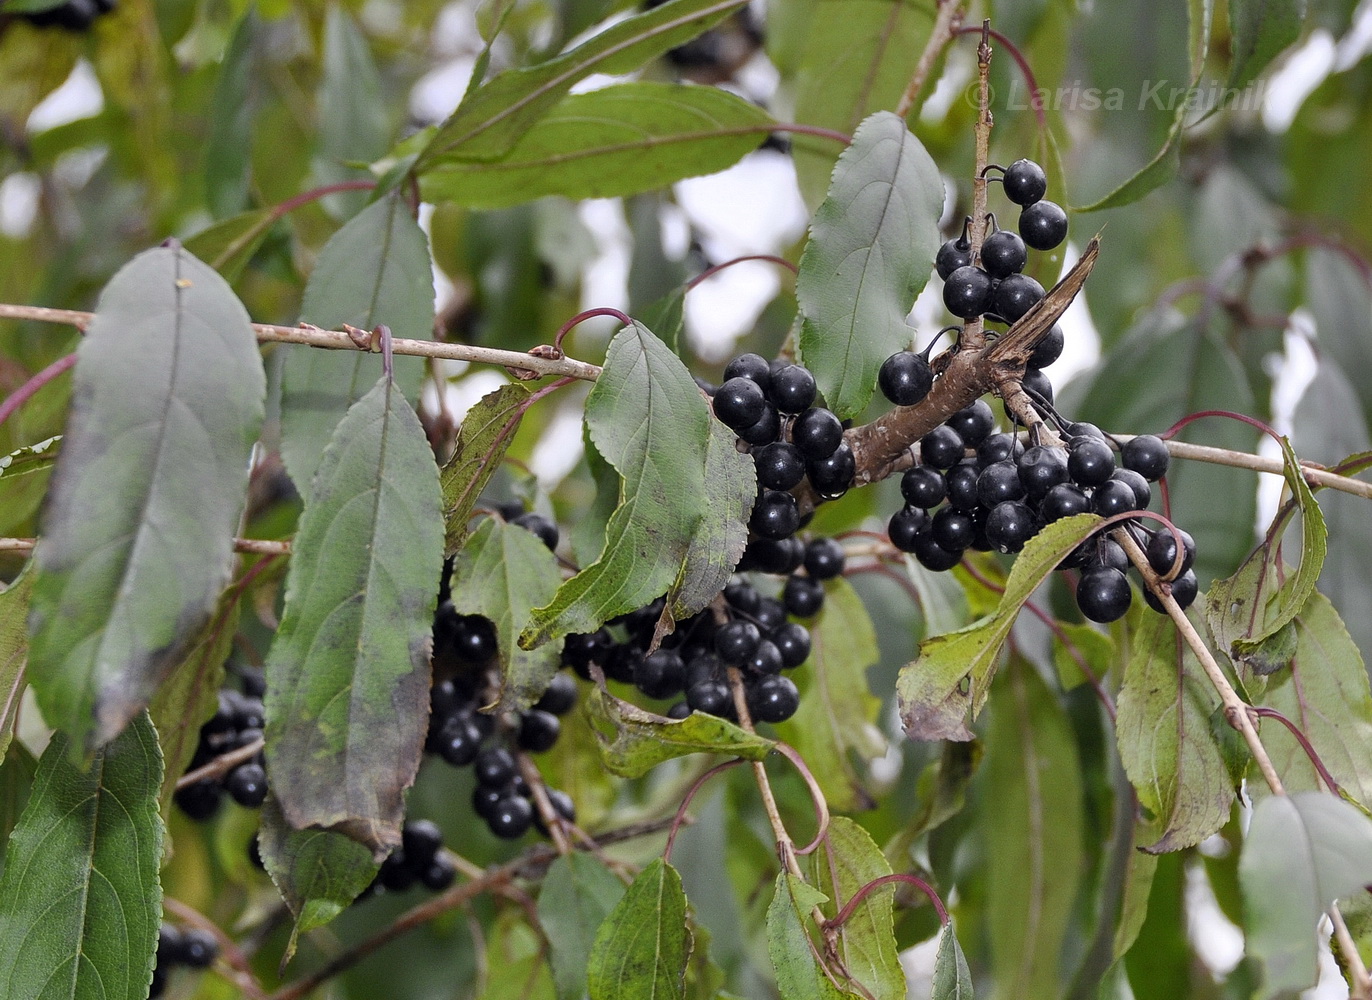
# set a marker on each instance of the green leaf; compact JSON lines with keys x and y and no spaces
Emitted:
{"x":648,"y":419}
{"x":578,"y":893}
{"x":374,"y":270}
{"x":485,"y":434}
{"x":348,"y":672}
{"x":24,"y":476}
{"x":1153,"y":175}
{"x":1032,"y":826}
{"x":1084,"y":645}
{"x":16,"y":779}
{"x":1302,"y":852}
{"x":613,"y":142}
{"x":871,"y":247}
{"x":14,"y":651}
{"x":642,"y":740}
{"x":190,"y":695}
{"x":953,"y":672}
{"x":491,"y":119}
{"x":854,"y":59}
{"x":798,"y":973}
{"x":1325,"y":694}
{"x":1259,"y":30}
{"x":228,"y":146}
{"x":641,"y":950}
{"x":317,"y":872}
{"x":1164,"y":736}
{"x":353,"y":121}
{"x":503,"y":572}
{"x":145,"y":500}
{"x":230,"y":244}
{"x":952,"y":977}
{"x":836,"y":721}
{"x":867,"y":942}
{"x":80,"y":900}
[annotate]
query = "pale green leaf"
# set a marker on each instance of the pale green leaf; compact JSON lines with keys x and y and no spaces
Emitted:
{"x":348,"y":672}
{"x":485,"y":434}
{"x":798,"y":973}
{"x":14,"y":651}
{"x":354,"y":123}
{"x":24,"y":476}
{"x":641,"y":950}
{"x":952,"y":977}
{"x":138,"y":529}
{"x":228,"y":146}
{"x":229,"y":245}
{"x":1259,"y":30}
{"x":578,"y":893}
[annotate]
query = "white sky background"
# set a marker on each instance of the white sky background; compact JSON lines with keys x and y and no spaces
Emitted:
{"x":755,"y":208}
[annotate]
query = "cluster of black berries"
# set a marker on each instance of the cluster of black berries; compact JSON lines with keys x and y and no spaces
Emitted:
{"x":774,"y":408}
{"x":998,"y":288}
{"x":419,"y":858}
{"x":74,"y":15}
{"x":237,"y":723}
{"x":191,"y":947}
{"x":464,"y":654}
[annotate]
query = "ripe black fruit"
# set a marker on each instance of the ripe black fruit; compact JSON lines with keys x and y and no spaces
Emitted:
{"x":905,"y":378}
{"x":792,"y":640}
{"x":973,"y":423}
{"x":775,"y":515}
{"x":817,"y":433}
{"x":538,"y":731}
{"x":766,"y":429}
{"x":660,"y":674}
{"x":823,"y":558}
{"x":736,"y":641}
{"x":1143,"y":493}
{"x":953,"y":254}
{"x":511,"y":817}
{"x":780,"y":465}
{"x":1040,"y":469}
{"x":833,"y":475}
{"x":923,"y":486}
{"x":1146,"y":455}
{"x":1103,"y":594}
{"x":1010,"y":525}
{"x":932,"y":555}
{"x":739,"y":403}
{"x":750,"y":366}
{"x":559,"y":696}
{"x":1043,"y":225}
{"x":967,"y":292}
{"x":905,"y":526}
{"x":1062,"y":501}
{"x":1184,"y":590}
{"x":1162,"y":551}
{"x":247,"y":783}
{"x":1090,"y":462}
{"x":1025,"y":182}
{"x":952,"y":529}
{"x":998,"y":483}
{"x":961,"y":482}
{"x":1015,"y":296}
{"x":773,"y":699}
{"x":802,"y":597}
{"x":1048,"y":350}
{"x":1112,"y":497}
{"x":1003,"y":254}
{"x":942,"y":447}
{"x":793,"y":388}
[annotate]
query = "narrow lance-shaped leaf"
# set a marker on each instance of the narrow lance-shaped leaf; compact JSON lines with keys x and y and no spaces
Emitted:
{"x":145,"y":500}
{"x":642,"y":948}
{"x":867,"y":942}
{"x":871,"y":248}
{"x":836,"y":720}
{"x":1165,"y":740}
{"x":613,"y":142}
{"x":482,"y":440}
{"x":317,"y":872}
{"x":502,"y":573}
{"x":228,"y":146}
{"x":578,"y":893}
{"x":1302,"y":852}
{"x":799,"y":974}
{"x":953,"y":672}
{"x":353,"y":120}
{"x":348,"y":672}
{"x":374,"y":270}
{"x":14,"y":650}
{"x":80,"y":900}
{"x":24,"y":476}
{"x":952,"y":977}
{"x":491,"y":119}
{"x":1260,"y":29}
{"x":648,"y":419}
{"x":642,"y":740}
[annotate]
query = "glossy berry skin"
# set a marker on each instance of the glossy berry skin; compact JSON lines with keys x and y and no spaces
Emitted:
{"x":247,"y":784}
{"x":780,"y":465}
{"x":421,"y":840}
{"x":952,"y":529}
{"x":1049,"y":349}
{"x":1003,"y":254}
{"x":1010,"y":525}
{"x":540,"y":526}
{"x":1025,"y":182}
{"x":438,"y":874}
{"x":1184,"y":590}
{"x":474,"y":639}
{"x":742,"y":596}
{"x":511,"y":817}
{"x":942,"y":447}
{"x":1162,"y":550}
{"x":961,"y":483}
{"x":559,"y":696}
{"x":1090,"y":462}
{"x":905,"y":526}
{"x":996,"y":448}
{"x":459,"y":740}
{"x":770,"y":614}
{"x":710,"y":697}
{"x":775,"y":515}
{"x":773,"y":699}
{"x":905,"y":378}
{"x":1015,"y":296}
{"x":1040,"y":469}
{"x":736,"y":641}
{"x":1103,"y":595}
{"x":1062,"y":501}
{"x":817,"y":433}
{"x":792,"y":641}
{"x":1112,"y":497}
{"x":1083,"y":429}
{"x":833,"y":475}
{"x":967,"y":292}
{"x":932,"y":555}
{"x":998,"y":483}
{"x":774,"y":555}
{"x":824,"y":559}
{"x":538,"y":731}
{"x":1146,"y":455}
{"x":495,"y":767}
{"x":1143,"y":493}
{"x":750,"y":366}
{"x":766,"y":659}
{"x":660,"y":674}
{"x":765,"y":430}
{"x":953,"y":254}
{"x":1043,"y":225}
{"x":739,"y":403}
{"x":923,"y":486}
{"x":802,"y":597}
{"x":199,"y":948}
{"x":973,"y":423}
{"x":793,"y":389}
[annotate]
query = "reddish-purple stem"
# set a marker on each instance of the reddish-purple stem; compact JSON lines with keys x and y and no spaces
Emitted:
{"x":1272,"y":713}
{"x":22,"y":395}
{"x":816,"y":796}
{"x":690,"y":794}
{"x":815,"y":130}
{"x":566,"y":327}
{"x":1035,"y":98}
{"x":877,"y":883}
{"x":1191,"y":418}
{"x":1076,"y":654}
{"x":711,"y":271}
{"x":314,"y":194}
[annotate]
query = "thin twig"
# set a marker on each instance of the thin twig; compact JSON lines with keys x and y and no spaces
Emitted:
{"x":1361,"y":987}
{"x":949,"y":13}
{"x":877,"y":883}
{"x":221,"y":765}
{"x":248,"y":546}
{"x":30,"y":388}
{"x":229,"y":951}
{"x":1316,"y":762}
{"x":786,"y":847}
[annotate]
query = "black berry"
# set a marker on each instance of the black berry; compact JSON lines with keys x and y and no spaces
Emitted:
{"x":942,"y":447}
{"x":780,"y":465}
{"x":1025,"y":182}
{"x":923,"y":486}
{"x":739,"y":403}
{"x":905,"y":378}
{"x":1015,"y":296}
{"x":793,"y":389}
{"x":1043,"y":225}
{"x":967,"y":292}
{"x":817,"y":433}
{"x":953,"y":254}
{"x":1103,"y":594}
{"x":1003,"y":254}
{"x":1146,"y":455}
